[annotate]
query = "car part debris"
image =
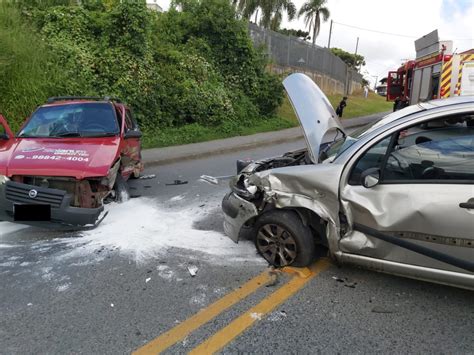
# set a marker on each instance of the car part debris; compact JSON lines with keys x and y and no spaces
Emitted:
{"x":193,"y":270}
{"x":350,"y":284}
{"x":177,"y":182}
{"x":147,"y":177}
{"x":274,"y":278}
{"x":345,"y":281}
{"x":378,"y":309}
{"x":215,"y":180}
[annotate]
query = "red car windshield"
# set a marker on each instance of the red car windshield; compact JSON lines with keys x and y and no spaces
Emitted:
{"x":88,"y":119}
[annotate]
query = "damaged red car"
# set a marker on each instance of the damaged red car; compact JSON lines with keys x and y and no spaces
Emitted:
{"x":73,"y":155}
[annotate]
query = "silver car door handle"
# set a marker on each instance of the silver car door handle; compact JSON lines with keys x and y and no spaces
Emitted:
{"x":469,"y":205}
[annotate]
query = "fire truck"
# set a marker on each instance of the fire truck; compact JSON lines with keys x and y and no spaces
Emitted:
{"x":435,"y":73}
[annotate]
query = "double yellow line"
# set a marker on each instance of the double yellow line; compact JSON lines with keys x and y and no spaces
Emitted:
{"x":240,"y":324}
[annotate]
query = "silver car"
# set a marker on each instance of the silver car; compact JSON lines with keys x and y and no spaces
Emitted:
{"x":396,"y":196}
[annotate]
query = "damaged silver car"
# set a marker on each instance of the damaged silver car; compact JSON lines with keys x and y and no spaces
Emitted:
{"x":396,"y":196}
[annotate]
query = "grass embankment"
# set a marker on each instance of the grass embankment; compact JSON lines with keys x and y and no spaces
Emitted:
{"x":28,"y":71}
{"x":357,"y":106}
{"x":195,"y":133}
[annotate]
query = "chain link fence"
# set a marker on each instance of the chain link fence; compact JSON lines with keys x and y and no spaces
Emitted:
{"x":289,"y":51}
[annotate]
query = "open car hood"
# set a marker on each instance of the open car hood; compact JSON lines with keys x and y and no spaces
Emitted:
{"x":313,"y":109}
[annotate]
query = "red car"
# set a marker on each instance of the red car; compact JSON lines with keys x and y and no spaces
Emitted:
{"x":69,"y":158}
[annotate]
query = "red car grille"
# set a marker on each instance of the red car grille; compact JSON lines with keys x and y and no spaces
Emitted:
{"x":20,"y":193}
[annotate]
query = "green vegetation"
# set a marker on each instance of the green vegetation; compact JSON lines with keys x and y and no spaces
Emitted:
{"x":29,"y":72}
{"x":304,"y":35}
{"x":195,"y":133}
{"x":353,"y":60}
{"x":271,"y":11}
{"x":357,"y":106}
{"x":313,"y":11}
{"x":190,"y":76}
{"x":192,"y":70}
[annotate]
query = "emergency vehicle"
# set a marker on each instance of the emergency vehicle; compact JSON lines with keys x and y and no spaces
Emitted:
{"x":435,"y":73}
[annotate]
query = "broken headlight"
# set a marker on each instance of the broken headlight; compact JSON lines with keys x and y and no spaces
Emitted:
{"x":3,"y":179}
{"x":244,"y":188}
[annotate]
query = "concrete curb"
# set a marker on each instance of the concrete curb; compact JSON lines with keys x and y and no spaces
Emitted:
{"x":161,"y":156}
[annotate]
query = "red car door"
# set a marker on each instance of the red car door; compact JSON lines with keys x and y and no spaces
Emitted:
{"x":131,"y":148}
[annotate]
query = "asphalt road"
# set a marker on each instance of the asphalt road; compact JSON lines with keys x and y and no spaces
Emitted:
{"x":115,"y":289}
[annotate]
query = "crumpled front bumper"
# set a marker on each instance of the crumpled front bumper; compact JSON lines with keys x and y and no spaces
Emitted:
{"x":62,"y":213}
{"x":237,"y":212}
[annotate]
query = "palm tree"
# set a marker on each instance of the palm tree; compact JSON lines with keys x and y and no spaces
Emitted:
{"x":271,"y":11}
{"x":312,"y":11}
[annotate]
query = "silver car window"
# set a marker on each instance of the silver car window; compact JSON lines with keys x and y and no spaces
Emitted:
{"x":438,"y":151}
{"x":373,"y":158}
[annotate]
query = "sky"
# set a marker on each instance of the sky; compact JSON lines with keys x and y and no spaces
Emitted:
{"x":405,"y":20}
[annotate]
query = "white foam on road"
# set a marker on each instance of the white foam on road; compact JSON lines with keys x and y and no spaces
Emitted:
{"x":142,"y":229}
{"x":8,"y":228}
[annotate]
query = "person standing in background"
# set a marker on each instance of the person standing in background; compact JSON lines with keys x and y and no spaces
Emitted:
{"x":340,"y":108}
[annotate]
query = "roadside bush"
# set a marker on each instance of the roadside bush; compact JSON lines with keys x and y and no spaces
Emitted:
{"x":29,"y":72}
{"x":191,"y":67}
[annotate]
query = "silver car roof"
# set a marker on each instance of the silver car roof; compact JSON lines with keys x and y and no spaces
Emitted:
{"x":408,"y":115}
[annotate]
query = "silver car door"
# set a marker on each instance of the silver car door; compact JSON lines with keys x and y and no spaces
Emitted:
{"x":424,"y":194}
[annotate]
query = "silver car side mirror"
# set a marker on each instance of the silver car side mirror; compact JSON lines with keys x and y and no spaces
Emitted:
{"x":370,"y":177}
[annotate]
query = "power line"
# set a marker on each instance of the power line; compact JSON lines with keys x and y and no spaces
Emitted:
{"x":393,"y":34}
{"x":370,"y":30}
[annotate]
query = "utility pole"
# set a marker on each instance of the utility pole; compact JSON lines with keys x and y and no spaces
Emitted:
{"x":355,"y":54}
{"x":330,"y":33}
{"x":376,"y":80}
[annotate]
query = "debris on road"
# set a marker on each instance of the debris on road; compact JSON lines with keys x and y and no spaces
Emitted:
{"x":177,"y":182}
{"x":112,"y":305}
{"x":214,"y":180}
{"x":256,"y":316}
{"x":345,"y":281}
{"x":147,"y":280}
{"x":30,"y":304}
{"x":177,"y":198}
{"x":378,"y":309}
{"x":350,"y":284}
{"x":147,"y":177}
{"x":274,"y":278}
{"x":193,"y":270}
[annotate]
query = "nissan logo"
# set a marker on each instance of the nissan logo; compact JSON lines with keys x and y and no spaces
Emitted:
{"x":33,"y":193}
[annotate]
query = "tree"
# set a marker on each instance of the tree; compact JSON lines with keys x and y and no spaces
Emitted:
{"x":271,"y":11}
{"x":353,"y":60}
{"x":304,"y":35}
{"x":313,"y":10}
